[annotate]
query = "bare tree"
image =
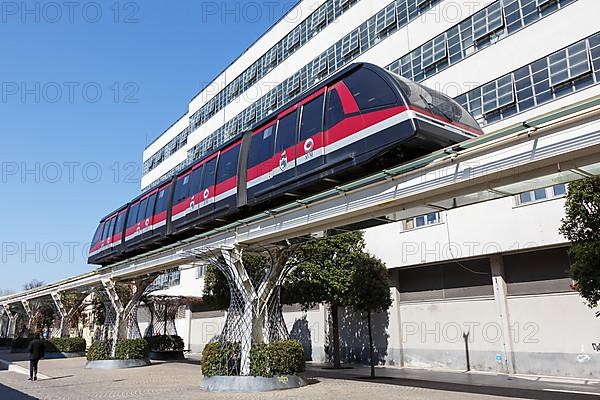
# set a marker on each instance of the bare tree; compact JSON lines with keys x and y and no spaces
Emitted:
{"x":33,"y":284}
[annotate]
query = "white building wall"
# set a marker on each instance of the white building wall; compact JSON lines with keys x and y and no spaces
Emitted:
{"x":494,"y":226}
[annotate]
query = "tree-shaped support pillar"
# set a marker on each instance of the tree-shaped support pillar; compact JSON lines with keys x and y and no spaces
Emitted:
{"x":4,"y":321}
{"x":254,"y":315}
{"x":121,"y":320}
{"x":163,"y":313}
{"x":66,"y":311}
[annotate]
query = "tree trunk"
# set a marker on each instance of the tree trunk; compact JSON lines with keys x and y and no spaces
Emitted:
{"x":371,"y":356}
{"x":335,"y":325}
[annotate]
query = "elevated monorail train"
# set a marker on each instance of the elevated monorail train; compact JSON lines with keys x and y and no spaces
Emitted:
{"x":358,"y":121}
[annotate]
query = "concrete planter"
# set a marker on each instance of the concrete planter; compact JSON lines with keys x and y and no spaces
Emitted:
{"x":251,"y":383}
{"x":117,"y":364}
{"x":166,"y":355}
{"x":55,"y":355}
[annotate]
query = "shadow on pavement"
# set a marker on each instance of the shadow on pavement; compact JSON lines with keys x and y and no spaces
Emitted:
{"x":7,"y":393}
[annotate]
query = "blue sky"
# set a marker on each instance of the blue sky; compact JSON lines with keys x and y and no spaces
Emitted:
{"x":83,"y":89}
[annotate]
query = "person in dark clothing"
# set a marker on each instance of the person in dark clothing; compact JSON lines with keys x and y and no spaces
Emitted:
{"x":36,"y":352}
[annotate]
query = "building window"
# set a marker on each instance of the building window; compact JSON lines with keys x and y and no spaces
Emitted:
{"x":385,"y":19}
{"x":498,"y":94}
{"x":488,"y":21}
{"x":544,"y":3}
{"x":420,"y":221}
{"x":200,"y":271}
{"x":537,"y":195}
{"x":350,"y":44}
{"x":434,"y":51}
{"x":569,"y":64}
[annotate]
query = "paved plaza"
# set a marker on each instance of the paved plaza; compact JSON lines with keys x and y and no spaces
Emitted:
{"x":68,"y":380}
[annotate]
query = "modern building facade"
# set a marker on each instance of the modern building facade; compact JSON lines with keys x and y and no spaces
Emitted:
{"x":482,"y":287}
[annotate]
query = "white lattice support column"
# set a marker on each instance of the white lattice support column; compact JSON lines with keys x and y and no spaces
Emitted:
{"x":123,"y":327}
{"x":29,"y":313}
{"x":3,"y":326}
{"x":250,"y":319}
{"x":111,"y":293}
{"x":61,"y":312}
{"x":12,"y":322}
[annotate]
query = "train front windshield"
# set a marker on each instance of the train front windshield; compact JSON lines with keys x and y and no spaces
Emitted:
{"x":436,"y":103}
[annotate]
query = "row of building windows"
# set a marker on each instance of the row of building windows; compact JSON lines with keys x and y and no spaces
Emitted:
{"x":559,"y":74}
{"x":495,"y":22}
{"x":446,"y":49}
{"x":174,"y":144}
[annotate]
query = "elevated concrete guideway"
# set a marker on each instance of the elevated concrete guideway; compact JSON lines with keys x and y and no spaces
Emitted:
{"x":553,"y":149}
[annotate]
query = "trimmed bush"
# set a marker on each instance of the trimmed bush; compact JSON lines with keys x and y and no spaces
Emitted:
{"x":66,"y":345}
{"x":99,"y":350}
{"x":221,"y":359}
{"x":130,"y":349}
{"x":162,"y":343}
{"x":281,"y":357}
{"x":284,"y":357}
{"x":5,"y":342}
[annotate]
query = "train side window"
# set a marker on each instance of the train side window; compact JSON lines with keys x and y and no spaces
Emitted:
{"x":228,"y":164}
{"x":105,"y":230}
{"x":161,"y":202}
{"x":119,"y":223}
{"x":334,"y":110}
{"x":98,"y":233}
{"x":286,"y":132}
{"x":111,"y":227}
{"x":369,"y":89}
{"x":150,"y":206}
{"x":261,"y":146}
{"x":132,"y":218}
{"x":142,"y":210}
{"x":182,"y":188}
{"x":312,"y":118}
{"x":196,"y":180}
{"x":210,"y":170}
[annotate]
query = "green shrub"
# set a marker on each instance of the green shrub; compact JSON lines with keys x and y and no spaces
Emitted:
{"x":100,"y":350}
{"x":66,"y":345}
{"x":165,"y":343}
{"x":284,"y":357}
{"x":221,"y":359}
{"x":5,"y":342}
{"x":259,"y":360}
{"x":131,"y":349}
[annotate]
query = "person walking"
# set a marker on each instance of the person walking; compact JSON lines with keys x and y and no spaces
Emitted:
{"x":36,"y":352}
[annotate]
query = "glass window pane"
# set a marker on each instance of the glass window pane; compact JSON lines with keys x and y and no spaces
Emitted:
{"x":525,"y":198}
{"x":286,"y":132}
{"x":540,"y":194}
{"x":559,"y":190}
{"x":312,"y":118}
{"x":420,"y":220}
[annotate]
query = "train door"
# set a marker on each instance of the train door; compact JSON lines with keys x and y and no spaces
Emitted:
{"x":342,"y":117}
{"x":261,"y":163}
{"x":310,"y":153}
{"x":206,"y":197}
{"x":226,"y":178}
{"x":284,"y":158}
